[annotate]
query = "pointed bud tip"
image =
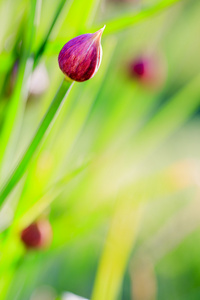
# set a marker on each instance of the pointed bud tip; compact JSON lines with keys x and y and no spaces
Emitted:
{"x":100,"y":31}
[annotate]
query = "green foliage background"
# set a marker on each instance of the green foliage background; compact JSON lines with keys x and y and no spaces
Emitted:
{"x":118,"y":173}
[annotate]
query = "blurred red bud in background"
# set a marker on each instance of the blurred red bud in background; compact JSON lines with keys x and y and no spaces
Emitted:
{"x":149,"y":70}
{"x":38,"y":235}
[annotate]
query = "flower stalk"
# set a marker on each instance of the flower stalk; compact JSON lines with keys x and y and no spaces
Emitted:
{"x":44,"y":126}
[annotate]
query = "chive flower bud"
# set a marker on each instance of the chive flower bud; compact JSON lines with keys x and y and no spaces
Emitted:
{"x":38,"y":235}
{"x":80,"y":58}
{"x":149,"y":70}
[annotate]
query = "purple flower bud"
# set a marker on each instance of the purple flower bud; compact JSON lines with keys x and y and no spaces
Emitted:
{"x":80,"y":58}
{"x":37,"y":235}
{"x":149,"y":70}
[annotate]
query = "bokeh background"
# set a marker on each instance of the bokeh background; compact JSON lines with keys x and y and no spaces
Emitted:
{"x":117,"y":177}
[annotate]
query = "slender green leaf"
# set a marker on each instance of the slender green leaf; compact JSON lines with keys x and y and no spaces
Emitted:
{"x":42,"y":47}
{"x":43,"y":128}
{"x":16,"y":105}
{"x":175,"y":113}
{"x":130,"y":19}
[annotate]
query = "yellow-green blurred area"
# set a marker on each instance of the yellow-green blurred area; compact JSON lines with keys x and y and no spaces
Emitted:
{"x":118,"y":174}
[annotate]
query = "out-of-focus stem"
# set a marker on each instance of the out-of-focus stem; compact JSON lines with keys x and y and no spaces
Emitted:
{"x":121,"y":236}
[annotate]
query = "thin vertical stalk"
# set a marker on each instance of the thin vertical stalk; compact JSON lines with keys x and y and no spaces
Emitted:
{"x":42,"y":47}
{"x":42,"y":130}
{"x":121,"y":236}
{"x":16,"y":105}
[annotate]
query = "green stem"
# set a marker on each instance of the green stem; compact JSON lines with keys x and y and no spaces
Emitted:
{"x":42,"y":130}
{"x":19,"y":95}
{"x":42,"y":47}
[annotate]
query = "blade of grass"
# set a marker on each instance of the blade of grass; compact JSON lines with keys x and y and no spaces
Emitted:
{"x":42,"y":130}
{"x":187,"y":218}
{"x":11,"y":252}
{"x":78,"y":17}
{"x":24,"y":217}
{"x":171,"y":116}
{"x":16,"y":105}
{"x":130,"y":19}
{"x":42,"y":47}
{"x":81,"y":224}
{"x":5,"y":283}
{"x":121,"y":236}
{"x":113,"y":25}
